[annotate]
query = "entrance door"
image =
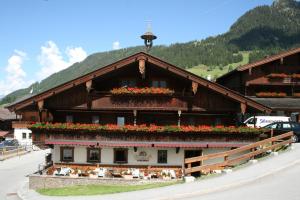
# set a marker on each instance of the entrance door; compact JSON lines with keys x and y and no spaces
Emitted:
{"x":190,"y":154}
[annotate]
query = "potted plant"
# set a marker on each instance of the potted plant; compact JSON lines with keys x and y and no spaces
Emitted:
{"x":127,"y":174}
{"x":74,"y":173}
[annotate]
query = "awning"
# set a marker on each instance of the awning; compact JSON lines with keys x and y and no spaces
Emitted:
{"x":3,"y":133}
{"x":149,"y":144}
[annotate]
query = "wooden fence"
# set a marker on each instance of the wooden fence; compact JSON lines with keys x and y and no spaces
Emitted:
{"x":230,"y":158}
{"x":8,"y":152}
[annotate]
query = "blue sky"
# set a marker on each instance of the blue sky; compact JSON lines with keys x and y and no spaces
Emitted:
{"x":40,"y":37}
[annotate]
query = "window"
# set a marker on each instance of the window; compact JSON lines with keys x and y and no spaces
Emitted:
{"x":23,"y":135}
{"x":93,"y":155}
{"x":30,"y":135}
{"x":69,"y":118}
{"x":95,"y":120}
{"x":120,"y":121}
{"x":128,"y":83}
{"x":159,"y":83}
{"x":286,"y":126}
{"x":162,"y":156}
{"x":67,"y":154}
{"x":120,"y":155}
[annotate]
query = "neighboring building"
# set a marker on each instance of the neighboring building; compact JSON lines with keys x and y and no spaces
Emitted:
{"x":3,"y":135}
{"x":130,"y":125}
{"x":9,"y":122}
{"x":22,"y":133}
{"x":6,"y":120}
{"x":273,"y":81}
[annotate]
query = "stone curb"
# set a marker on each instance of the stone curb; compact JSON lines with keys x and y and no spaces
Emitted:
{"x":21,"y":190}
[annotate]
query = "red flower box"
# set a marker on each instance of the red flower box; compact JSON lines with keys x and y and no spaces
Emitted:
{"x":141,"y":91}
{"x":271,"y":94}
{"x":143,"y":128}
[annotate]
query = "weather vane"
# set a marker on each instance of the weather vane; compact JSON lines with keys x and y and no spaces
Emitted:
{"x":148,"y":37}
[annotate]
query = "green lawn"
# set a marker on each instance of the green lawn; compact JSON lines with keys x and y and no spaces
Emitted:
{"x":99,"y":189}
{"x":204,"y":71}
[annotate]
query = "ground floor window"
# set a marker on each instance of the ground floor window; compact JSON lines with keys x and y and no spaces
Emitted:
{"x":23,"y":135}
{"x":120,"y":155}
{"x":93,"y":154}
{"x":162,"y":156}
{"x":67,"y":154}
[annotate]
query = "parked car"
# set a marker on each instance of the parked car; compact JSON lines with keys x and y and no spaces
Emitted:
{"x":9,"y":144}
{"x":283,"y":127}
{"x":261,"y":121}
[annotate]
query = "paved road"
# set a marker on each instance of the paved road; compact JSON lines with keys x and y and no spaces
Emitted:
{"x":283,"y":185}
{"x":14,"y":170}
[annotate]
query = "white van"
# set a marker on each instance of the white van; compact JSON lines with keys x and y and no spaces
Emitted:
{"x":261,"y":121}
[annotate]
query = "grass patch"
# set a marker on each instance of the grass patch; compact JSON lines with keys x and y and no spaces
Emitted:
{"x":100,"y":189}
{"x":216,"y":71}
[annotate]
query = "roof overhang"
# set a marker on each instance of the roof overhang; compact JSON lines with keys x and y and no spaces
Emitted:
{"x":150,"y":59}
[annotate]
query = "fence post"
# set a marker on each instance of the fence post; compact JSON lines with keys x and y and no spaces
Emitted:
{"x":252,"y":150}
{"x":189,"y":166}
{"x":272,"y":134}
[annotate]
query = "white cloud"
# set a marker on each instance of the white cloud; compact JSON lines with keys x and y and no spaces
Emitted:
{"x":15,"y":75}
{"x":52,"y":61}
{"x":116,"y":45}
{"x":76,"y":54}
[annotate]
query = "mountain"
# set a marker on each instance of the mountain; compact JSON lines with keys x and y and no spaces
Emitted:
{"x":261,"y":31}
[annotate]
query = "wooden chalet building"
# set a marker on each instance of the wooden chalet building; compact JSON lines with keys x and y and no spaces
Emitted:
{"x":137,"y":112}
{"x":273,"y":81}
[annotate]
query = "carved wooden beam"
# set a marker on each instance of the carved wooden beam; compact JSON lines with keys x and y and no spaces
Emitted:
{"x":243,"y":108}
{"x":194,"y":87}
{"x":250,"y":71}
{"x":142,"y":67}
{"x":134,"y":115}
{"x":40,"y":105}
{"x":88,"y":85}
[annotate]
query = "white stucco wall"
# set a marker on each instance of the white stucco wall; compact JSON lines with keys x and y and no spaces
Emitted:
{"x":107,"y":155}
{"x":18,"y":134}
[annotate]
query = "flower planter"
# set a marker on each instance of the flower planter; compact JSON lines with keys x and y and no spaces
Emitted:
{"x":125,"y":91}
{"x":271,"y":94}
{"x":143,"y":128}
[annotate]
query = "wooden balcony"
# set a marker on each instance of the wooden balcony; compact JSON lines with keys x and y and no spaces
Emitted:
{"x":276,"y":82}
{"x":20,"y":124}
{"x":143,"y":102}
